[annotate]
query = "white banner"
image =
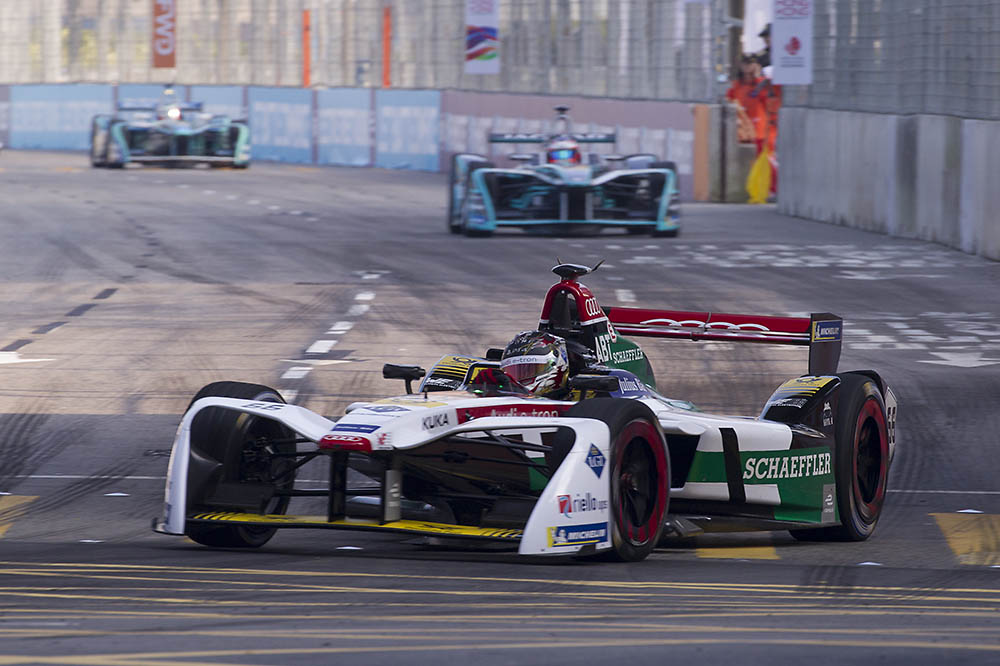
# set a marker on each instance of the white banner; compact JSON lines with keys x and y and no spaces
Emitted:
{"x":482,"y":36}
{"x":792,"y":42}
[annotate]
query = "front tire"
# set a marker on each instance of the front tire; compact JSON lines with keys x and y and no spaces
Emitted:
{"x":640,"y":474}
{"x":861,"y":461}
{"x":235,"y":440}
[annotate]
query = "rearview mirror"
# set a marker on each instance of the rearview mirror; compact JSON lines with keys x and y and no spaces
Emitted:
{"x":405,"y":372}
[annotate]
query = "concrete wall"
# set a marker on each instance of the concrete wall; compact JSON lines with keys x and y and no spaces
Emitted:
{"x":927,"y":177}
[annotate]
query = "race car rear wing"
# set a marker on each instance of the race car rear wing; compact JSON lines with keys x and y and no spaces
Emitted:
{"x":821,"y":332}
{"x":534,"y":137}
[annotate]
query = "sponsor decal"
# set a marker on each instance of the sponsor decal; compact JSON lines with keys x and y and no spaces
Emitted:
{"x":568,"y":505}
{"x":441,"y":381}
{"x":343,"y":441}
{"x":383,"y":440}
{"x":827,"y":414}
{"x":592,"y":308}
{"x":596,"y":460}
{"x":356,"y":427}
{"x":520,"y":409}
{"x":266,"y":406}
{"x":417,"y":399}
{"x":627,"y":355}
{"x":631,"y":386}
{"x":384,"y":409}
{"x":164,"y":33}
{"x":826,"y":331}
{"x":829,"y":514}
{"x":578,"y":535}
{"x":435,"y":421}
{"x":602,"y":346}
{"x":790,"y":402}
{"x":775,"y":467}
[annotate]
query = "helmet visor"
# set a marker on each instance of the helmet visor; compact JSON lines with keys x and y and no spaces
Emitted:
{"x":526,"y":369}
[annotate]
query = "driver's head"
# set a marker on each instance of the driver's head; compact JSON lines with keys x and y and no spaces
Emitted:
{"x":537,"y":361}
{"x":563,"y":151}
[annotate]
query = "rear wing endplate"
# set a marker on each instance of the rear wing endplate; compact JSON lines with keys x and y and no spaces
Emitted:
{"x":821,"y":332}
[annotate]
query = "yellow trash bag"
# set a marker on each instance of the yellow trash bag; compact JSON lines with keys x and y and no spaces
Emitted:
{"x":759,"y":179}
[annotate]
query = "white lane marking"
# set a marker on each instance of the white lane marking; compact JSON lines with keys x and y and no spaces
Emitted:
{"x":625,"y":295}
{"x":84,"y":476}
{"x":365,"y":296}
{"x":962,"y":359}
{"x":208,"y":191}
{"x":15,"y":357}
{"x":340,"y":327}
{"x":254,"y":202}
{"x":968,"y":511}
{"x":231,"y":197}
{"x":312,"y":219}
{"x":183,"y":186}
{"x":358,"y":310}
{"x":614,"y":277}
{"x":296,"y":372}
{"x":349,"y":548}
{"x":869,"y":564}
{"x":290,"y":396}
{"x":116,"y":494}
{"x":612,"y":247}
{"x":315,"y":361}
{"x":321,"y":346}
{"x":91,"y":541}
{"x":274,"y":207}
{"x":295,"y":212}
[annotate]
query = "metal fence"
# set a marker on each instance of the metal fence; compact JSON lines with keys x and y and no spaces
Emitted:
{"x":905,"y":57}
{"x":655,"y":49}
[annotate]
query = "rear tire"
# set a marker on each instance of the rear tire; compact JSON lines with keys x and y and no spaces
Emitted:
{"x":861,"y":461}
{"x":640,"y":475}
{"x":230,"y":438}
{"x":98,"y":157}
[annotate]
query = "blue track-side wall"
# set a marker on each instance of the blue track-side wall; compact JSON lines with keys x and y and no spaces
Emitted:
{"x":54,"y":116}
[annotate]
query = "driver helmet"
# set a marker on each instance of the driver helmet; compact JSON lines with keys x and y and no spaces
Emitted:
{"x":563,"y":151}
{"x":169,"y":107}
{"x":538,"y":361}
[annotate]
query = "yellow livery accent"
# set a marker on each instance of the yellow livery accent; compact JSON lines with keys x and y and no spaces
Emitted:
{"x":409,"y":526}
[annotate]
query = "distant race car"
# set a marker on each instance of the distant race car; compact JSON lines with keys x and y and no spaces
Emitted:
{"x":170,"y":133}
{"x":558,"y":444}
{"x":562,"y":188}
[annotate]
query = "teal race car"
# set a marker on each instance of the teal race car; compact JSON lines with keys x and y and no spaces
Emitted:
{"x":562,"y":188}
{"x":170,"y":133}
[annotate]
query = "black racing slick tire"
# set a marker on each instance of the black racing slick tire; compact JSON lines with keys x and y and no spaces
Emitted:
{"x":98,"y":154}
{"x":639,"y":466}
{"x":454,"y":221}
{"x":242,"y":444}
{"x":861,"y":461}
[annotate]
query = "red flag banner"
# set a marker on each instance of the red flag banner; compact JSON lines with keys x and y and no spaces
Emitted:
{"x":164,"y":33}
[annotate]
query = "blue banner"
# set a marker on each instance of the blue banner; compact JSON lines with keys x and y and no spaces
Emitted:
{"x":220,"y":100}
{"x":281,"y":123}
{"x":54,"y":116}
{"x":407,"y":126}
{"x":144,"y":94}
{"x":343,"y":126}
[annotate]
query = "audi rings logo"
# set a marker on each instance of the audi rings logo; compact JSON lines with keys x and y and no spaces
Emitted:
{"x":592,"y":308}
{"x":792,"y":8}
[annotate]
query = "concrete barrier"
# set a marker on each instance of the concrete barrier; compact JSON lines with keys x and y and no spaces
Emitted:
{"x":926,"y":177}
{"x":55,"y":117}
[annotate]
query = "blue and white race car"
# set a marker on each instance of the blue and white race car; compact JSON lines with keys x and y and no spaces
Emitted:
{"x":562,"y":188}
{"x":169,"y":133}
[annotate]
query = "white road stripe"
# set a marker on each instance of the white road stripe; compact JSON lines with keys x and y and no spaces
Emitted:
{"x":357,"y":310}
{"x":297,"y":372}
{"x":365,"y":296}
{"x":625,"y":295}
{"x":321,"y":346}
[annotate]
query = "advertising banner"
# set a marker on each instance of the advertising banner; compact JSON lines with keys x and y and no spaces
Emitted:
{"x":482,"y":36}
{"x":4,"y":115}
{"x":281,"y":120}
{"x":407,"y":129}
{"x":164,"y":33}
{"x":792,"y":42}
{"x":344,"y":126}
{"x":54,"y":116}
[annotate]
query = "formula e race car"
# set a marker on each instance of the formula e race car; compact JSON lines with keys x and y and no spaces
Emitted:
{"x":170,"y":133}
{"x":563,"y":189}
{"x":559,"y":444}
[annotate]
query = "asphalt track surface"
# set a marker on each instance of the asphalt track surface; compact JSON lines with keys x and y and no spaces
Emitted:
{"x":123,"y":292}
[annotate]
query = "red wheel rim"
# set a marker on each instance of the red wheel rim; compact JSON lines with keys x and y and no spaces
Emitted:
{"x":639,"y":484}
{"x":871,"y":456}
